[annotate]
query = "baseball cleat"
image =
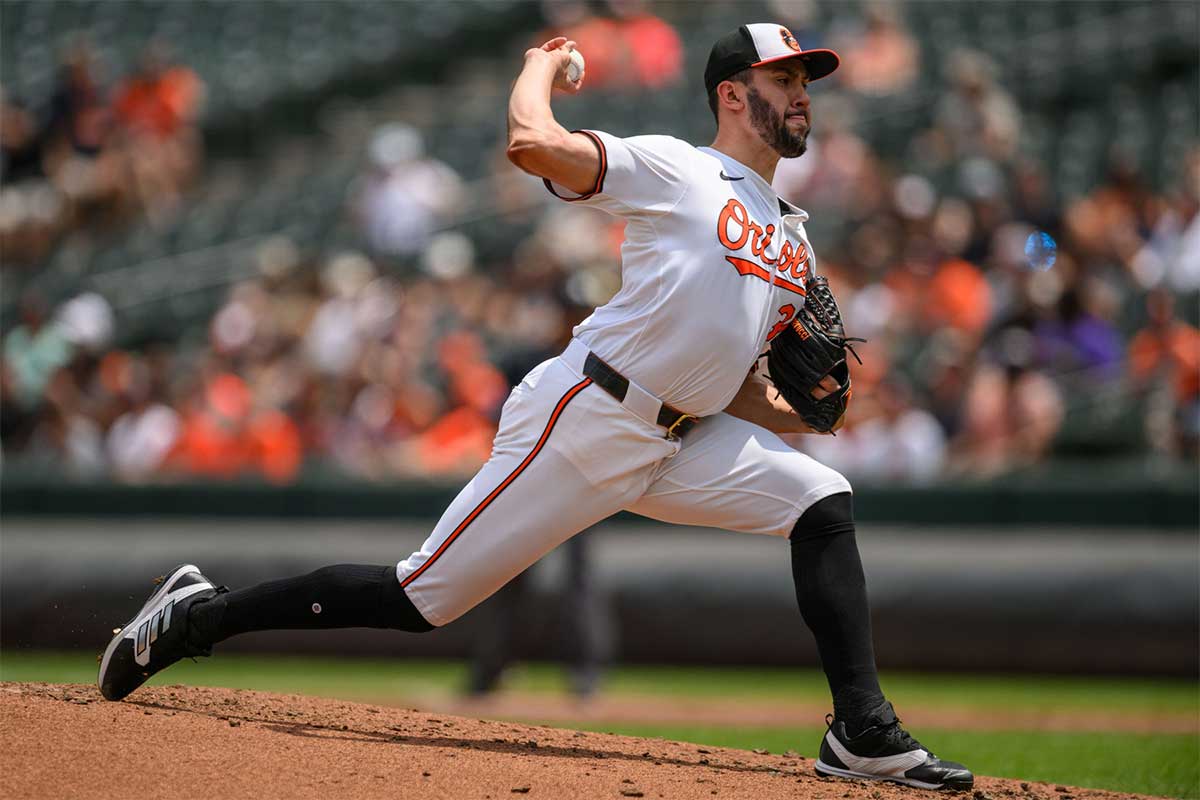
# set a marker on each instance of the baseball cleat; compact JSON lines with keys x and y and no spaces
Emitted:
{"x":886,"y":752}
{"x":157,"y":636}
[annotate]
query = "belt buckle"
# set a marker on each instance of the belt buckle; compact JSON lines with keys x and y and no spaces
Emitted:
{"x":671,"y":430}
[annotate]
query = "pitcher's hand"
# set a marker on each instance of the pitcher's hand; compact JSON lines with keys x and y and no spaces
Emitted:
{"x":556,"y":54}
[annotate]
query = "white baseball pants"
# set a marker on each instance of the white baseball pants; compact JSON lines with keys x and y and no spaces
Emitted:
{"x":568,"y":455}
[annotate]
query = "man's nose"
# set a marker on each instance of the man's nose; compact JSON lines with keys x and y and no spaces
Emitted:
{"x":801,"y":100}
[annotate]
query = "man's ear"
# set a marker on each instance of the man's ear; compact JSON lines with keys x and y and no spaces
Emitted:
{"x":732,"y":94}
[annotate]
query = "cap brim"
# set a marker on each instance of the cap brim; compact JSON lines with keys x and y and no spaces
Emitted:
{"x":818,"y":62}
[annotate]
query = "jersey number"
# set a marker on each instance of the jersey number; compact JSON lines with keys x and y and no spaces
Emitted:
{"x":785,"y":313}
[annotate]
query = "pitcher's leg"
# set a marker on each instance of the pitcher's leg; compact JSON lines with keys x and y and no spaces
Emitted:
{"x":488,"y":537}
{"x":187,"y":614}
{"x":567,"y":456}
{"x":831,"y":591}
{"x":735,"y":475}
{"x":739,"y":476}
{"x":341,"y":596}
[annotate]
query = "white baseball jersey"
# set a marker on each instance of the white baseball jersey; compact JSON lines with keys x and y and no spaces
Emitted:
{"x":713,"y":266}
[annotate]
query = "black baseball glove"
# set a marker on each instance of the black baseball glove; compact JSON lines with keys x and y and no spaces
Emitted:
{"x":812,"y":346}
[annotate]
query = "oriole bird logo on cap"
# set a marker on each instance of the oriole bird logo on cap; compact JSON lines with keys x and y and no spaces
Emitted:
{"x":788,"y":39}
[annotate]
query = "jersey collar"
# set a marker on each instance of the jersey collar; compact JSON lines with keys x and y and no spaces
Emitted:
{"x":737,"y":169}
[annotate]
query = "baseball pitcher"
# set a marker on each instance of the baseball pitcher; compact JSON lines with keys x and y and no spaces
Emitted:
{"x":655,"y":406}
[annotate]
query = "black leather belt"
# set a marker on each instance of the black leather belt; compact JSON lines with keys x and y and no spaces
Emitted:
{"x":676,"y":422}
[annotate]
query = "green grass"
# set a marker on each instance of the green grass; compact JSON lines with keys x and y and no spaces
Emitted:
{"x":1151,"y":764}
{"x":920,"y":689}
{"x":379,"y":678}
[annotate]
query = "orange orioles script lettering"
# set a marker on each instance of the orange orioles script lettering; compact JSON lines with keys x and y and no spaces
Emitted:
{"x":735,"y":228}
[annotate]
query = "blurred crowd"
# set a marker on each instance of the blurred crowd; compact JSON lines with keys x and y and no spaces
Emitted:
{"x":329,"y":361}
{"x":1007,"y":324}
{"x":95,"y":154}
{"x":996,"y":312}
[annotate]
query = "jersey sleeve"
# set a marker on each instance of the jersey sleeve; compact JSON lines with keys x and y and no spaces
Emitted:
{"x":640,"y":174}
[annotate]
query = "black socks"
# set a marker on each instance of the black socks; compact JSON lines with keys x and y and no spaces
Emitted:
{"x":832,"y":593}
{"x":342,"y":596}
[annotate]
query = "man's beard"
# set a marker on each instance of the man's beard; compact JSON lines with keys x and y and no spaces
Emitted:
{"x":773,"y":128}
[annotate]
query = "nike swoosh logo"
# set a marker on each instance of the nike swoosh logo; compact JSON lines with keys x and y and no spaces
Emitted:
{"x":725,"y":177}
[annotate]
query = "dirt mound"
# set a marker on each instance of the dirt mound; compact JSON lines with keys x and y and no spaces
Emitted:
{"x":65,"y":741}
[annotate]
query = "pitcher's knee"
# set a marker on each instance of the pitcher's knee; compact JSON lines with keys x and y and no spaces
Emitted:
{"x":396,"y":609}
{"x":832,"y":514}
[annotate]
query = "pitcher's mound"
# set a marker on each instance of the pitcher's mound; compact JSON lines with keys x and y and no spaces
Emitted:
{"x":175,"y":741}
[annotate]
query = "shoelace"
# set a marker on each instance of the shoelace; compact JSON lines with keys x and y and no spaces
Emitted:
{"x":897,"y":735}
{"x":893,"y":732}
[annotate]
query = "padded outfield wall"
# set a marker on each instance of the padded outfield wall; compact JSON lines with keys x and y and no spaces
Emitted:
{"x":1001,"y":577}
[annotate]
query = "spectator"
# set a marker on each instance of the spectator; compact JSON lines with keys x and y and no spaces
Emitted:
{"x":631,"y":49}
{"x":1011,"y":416}
{"x":1165,"y":355}
{"x":34,"y":350}
{"x":406,"y":196}
{"x":979,"y":117}
{"x":66,"y":433}
{"x":212,"y":441}
{"x":1081,"y":337}
{"x":880,"y":58}
{"x":275,"y":447}
{"x":30,"y":210}
{"x":652,"y":46}
{"x":157,"y":109}
{"x":161,"y":101}
{"x":1171,"y":254}
{"x":140,"y":441}
{"x":597,"y":37}
{"x":81,"y":154}
{"x":20,"y":142}
{"x":904,"y":442}
{"x":959,"y":296}
{"x":80,"y":116}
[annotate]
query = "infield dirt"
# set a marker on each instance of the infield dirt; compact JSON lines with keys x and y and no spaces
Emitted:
{"x":64,"y":741}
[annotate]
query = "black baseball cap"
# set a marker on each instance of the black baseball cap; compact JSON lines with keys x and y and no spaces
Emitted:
{"x":762,"y":43}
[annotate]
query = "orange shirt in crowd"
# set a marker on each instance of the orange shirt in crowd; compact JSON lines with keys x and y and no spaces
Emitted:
{"x":275,"y":446}
{"x":209,"y":446}
{"x":641,"y":50}
{"x":598,"y":39}
{"x":458,"y":442}
{"x":161,"y":105}
{"x":1175,"y":350}
{"x":959,"y":296}
{"x":882,"y":61}
{"x":655,"y":50}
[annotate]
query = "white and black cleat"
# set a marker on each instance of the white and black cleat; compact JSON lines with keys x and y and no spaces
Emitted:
{"x":886,"y":752}
{"x":157,"y":636}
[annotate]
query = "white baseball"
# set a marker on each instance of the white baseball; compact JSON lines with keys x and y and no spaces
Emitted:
{"x":575,"y":68}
